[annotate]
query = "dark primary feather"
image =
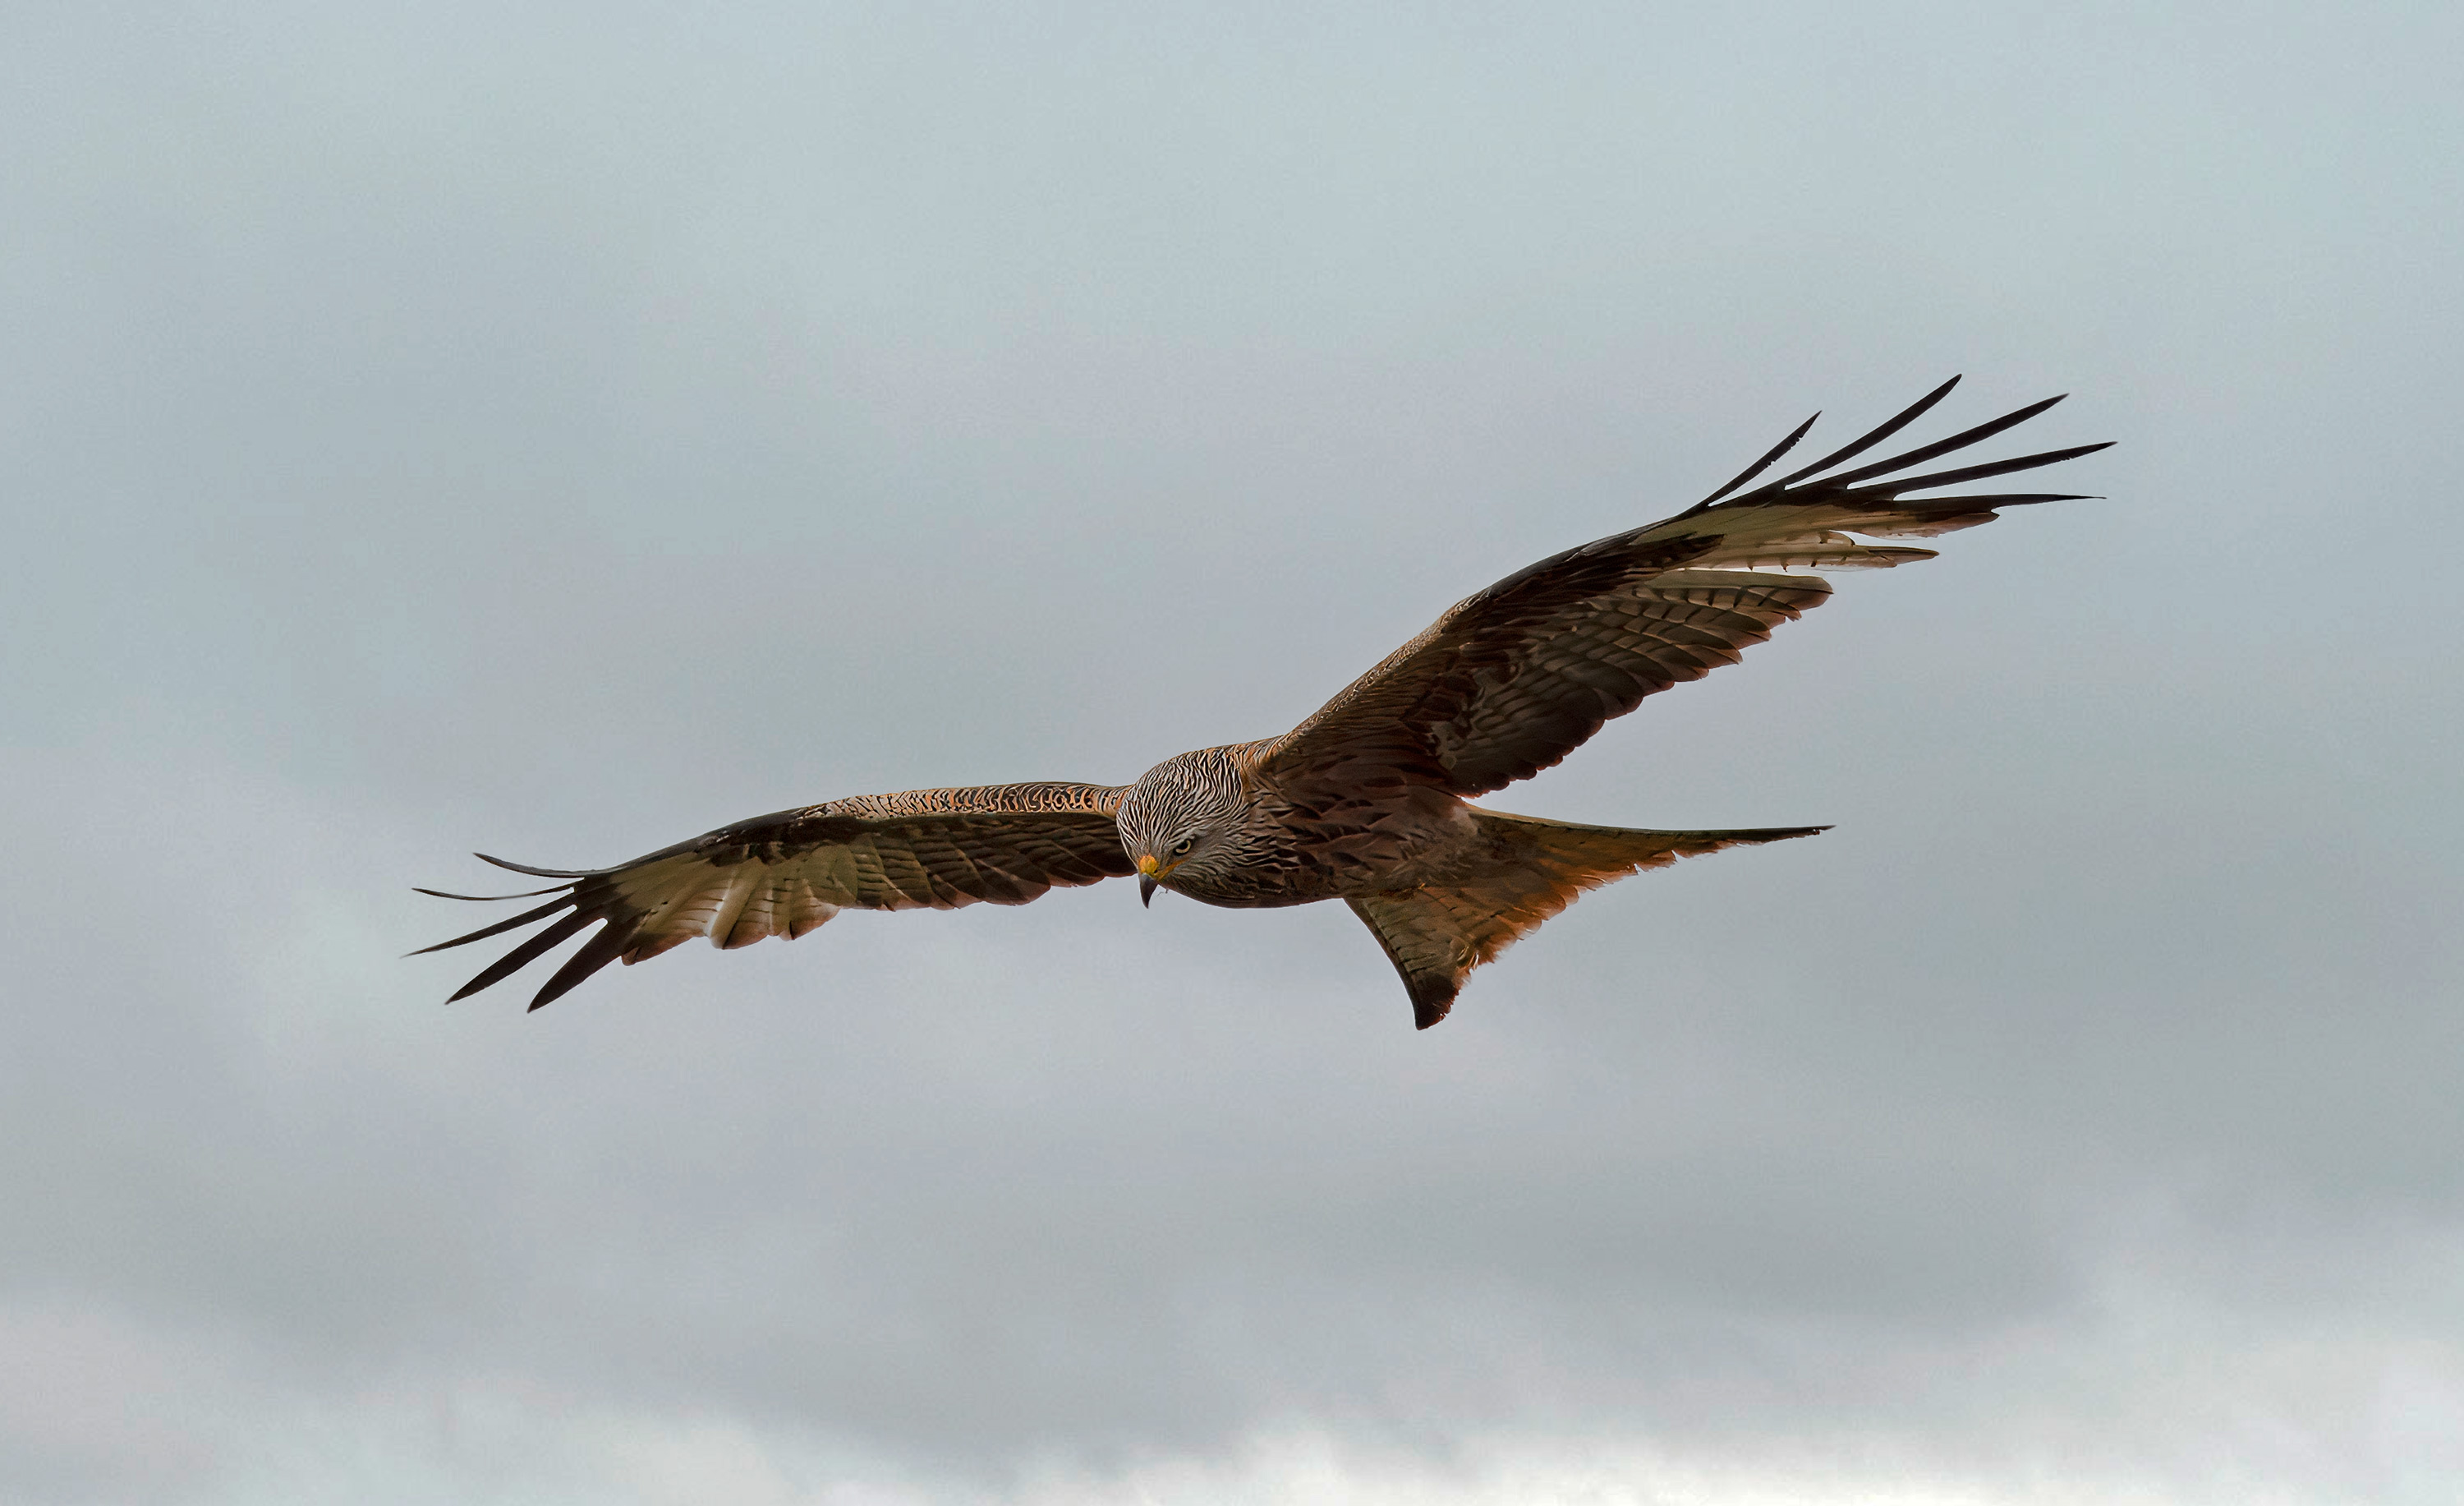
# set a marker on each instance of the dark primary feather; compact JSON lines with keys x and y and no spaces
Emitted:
{"x":1788,"y":442}
{"x":1940,"y":447}
{"x":1513,"y":679}
{"x":527,"y":894}
{"x":1874,"y":436}
{"x":784,"y":874}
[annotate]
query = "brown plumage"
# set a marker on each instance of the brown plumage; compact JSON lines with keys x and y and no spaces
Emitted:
{"x":1364,"y":802}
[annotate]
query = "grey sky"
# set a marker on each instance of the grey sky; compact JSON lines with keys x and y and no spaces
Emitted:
{"x":428,"y":429}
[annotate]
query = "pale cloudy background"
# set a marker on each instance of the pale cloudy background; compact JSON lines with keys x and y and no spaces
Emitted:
{"x":560,"y":430}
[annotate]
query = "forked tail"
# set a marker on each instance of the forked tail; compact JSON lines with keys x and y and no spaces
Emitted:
{"x":1436,"y":935}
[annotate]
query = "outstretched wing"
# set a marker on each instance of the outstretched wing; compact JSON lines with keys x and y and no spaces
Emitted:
{"x":1510,"y":680}
{"x":784,"y":874}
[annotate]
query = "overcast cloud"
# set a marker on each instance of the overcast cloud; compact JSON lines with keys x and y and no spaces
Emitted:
{"x":560,"y":432}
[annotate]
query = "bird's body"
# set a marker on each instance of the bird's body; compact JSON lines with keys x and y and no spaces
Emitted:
{"x":1273,"y":844}
{"x":1365,"y":802}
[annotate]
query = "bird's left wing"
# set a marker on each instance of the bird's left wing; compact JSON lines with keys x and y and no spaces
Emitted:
{"x":784,"y":874}
{"x":1513,"y":680}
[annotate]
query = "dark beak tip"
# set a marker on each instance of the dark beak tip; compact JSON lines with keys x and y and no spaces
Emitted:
{"x":1146,"y":890}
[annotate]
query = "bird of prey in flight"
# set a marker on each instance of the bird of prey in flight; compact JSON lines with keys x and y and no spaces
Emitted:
{"x":1367,"y":800}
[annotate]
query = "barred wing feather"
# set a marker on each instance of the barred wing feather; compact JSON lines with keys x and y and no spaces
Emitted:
{"x":784,"y":874}
{"x":1510,"y":680}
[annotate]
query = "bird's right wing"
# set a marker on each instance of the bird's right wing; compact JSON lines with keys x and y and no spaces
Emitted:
{"x":1513,"y":680}
{"x":783,"y":874}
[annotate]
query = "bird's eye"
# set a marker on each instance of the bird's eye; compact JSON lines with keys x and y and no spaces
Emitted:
{"x":1180,"y":848}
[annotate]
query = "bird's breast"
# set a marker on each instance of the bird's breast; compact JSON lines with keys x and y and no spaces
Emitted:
{"x":1289,"y":854}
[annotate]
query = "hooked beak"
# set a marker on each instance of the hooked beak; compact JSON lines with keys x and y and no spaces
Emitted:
{"x":1147,"y":867}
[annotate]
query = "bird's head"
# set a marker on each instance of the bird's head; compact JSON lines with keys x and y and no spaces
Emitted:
{"x":1177,"y":819}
